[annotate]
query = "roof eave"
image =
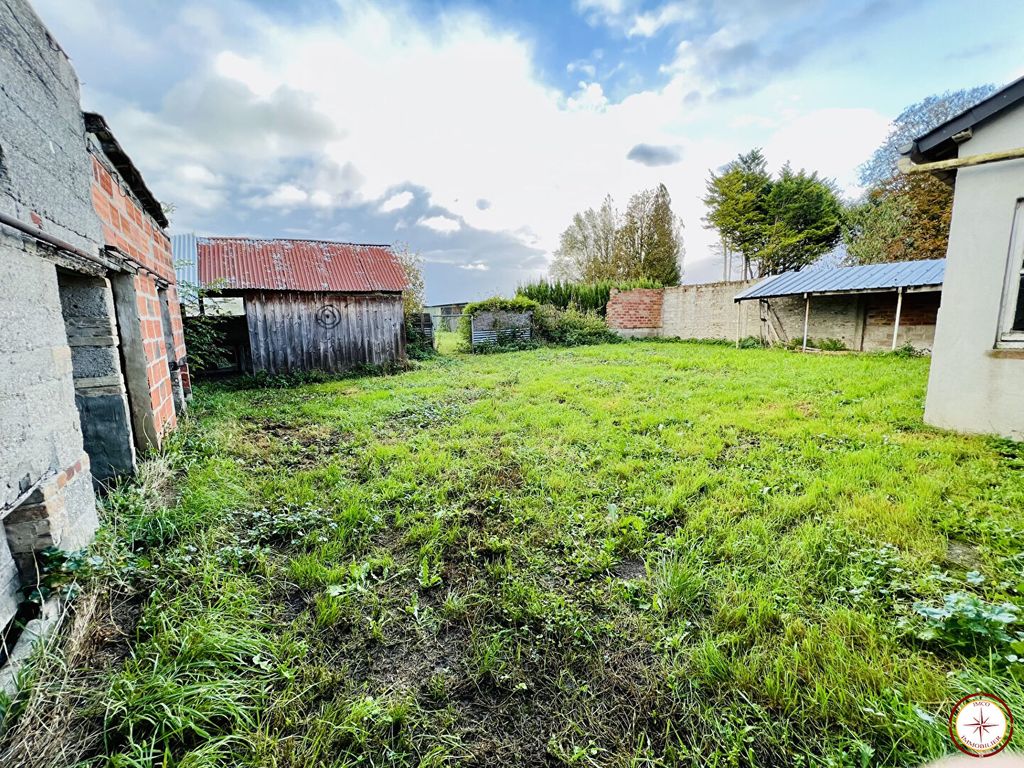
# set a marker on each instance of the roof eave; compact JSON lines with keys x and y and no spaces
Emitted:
{"x":97,"y":125}
{"x":940,"y":143}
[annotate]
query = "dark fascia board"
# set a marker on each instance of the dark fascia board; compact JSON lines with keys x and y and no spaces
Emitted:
{"x":938,"y":143}
{"x":97,"y":126}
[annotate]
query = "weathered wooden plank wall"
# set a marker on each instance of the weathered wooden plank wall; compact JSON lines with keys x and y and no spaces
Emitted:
{"x":293,"y":331}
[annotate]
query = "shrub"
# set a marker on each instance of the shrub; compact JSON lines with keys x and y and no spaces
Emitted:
{"x":570,"y":327}
{"x":830,"y":345}
{"x":586,"y":297}
{"x":417,"y":345}
{"x":751,"y":342}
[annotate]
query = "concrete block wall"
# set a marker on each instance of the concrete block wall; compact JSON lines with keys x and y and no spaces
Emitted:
{"x":87,"y":306}
{"x":44,"y":181}
{"x":917,"y":320}
{"x":708,"y":312}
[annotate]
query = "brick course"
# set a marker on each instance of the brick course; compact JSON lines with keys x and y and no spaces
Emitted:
{"x":636,"y":312}
{"x":133,"y":232}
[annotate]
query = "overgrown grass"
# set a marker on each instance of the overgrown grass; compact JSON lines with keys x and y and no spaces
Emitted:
{"x":643,"y":554}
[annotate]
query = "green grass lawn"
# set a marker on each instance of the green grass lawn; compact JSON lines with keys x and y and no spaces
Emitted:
{"x":644,"y":554}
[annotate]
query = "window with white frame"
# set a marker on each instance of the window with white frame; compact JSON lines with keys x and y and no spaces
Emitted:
{"x":1012,"y":316}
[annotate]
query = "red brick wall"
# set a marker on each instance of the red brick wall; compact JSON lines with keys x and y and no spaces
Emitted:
{"x":639,"y":308}
{"x":133,"y":232}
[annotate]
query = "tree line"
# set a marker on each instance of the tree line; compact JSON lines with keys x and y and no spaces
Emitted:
{"x":789,"y":221}
{"x":643,"y":243}
{"x":777,"y":222}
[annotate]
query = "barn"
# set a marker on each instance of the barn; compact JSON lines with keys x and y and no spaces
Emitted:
{"x":299,"y":305}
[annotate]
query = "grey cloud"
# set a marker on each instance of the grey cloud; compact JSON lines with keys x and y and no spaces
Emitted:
{"x":227,"y":114}
{"x":654,"y":155}
{"x":483,"y":204}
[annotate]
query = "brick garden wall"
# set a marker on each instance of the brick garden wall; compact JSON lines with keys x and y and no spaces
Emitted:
{"x":133,"y":232}
{"x":636,"y":313}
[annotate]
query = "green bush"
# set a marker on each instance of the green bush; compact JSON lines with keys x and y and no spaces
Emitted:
{"x":586,"y":297}
{"x":830,"y":345}
{"x":417,"y":345}
{"x":570,"y":327}
{"x":566,"y":328}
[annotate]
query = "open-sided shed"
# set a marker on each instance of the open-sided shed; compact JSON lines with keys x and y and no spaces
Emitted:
{"x":879,"y":296}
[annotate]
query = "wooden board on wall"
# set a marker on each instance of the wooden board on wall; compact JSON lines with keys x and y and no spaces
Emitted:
{"x":292,"y":331}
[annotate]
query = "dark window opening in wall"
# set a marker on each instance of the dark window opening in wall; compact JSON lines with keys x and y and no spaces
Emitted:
{"x":87,"y":307}
{"x":1012,"y":329}
{"x":1018,"y":317}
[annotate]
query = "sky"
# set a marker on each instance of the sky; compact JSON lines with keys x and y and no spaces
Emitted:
{"x":471,"y":132}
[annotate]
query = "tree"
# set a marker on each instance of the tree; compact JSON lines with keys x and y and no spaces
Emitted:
{"x":644,"y":243}
{"x":915,"y":120}
{"x":776,"y":224}
{"x":735,"y":201}
{"x":902,"y":217}
{"x":412,"y":266}
{"x":587,"y":251}
{"x":664,"y":264}
{"x":803,"y":219}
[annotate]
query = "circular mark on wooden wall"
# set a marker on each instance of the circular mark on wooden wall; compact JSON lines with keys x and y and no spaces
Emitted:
{"x":328,"y":316}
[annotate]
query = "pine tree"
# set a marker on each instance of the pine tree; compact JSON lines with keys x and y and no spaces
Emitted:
{"x":663,"y":261}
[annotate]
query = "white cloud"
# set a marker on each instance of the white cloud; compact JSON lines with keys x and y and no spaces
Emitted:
{"x":651,"y":23}
{"x":285,"y":196}
{"x":440,"y":224}
{"x":826,"y":140}
{"x":458,"y":108}
{"x":396,"y":202}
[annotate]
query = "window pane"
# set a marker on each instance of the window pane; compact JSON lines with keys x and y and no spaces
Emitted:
{"x":1018,"y":315}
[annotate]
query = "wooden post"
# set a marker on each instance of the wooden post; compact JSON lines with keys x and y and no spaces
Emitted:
{"x":907,"y":166}
{"x":896,"y":325}
{"x":807,"y":317}
{"x":739,"y":314}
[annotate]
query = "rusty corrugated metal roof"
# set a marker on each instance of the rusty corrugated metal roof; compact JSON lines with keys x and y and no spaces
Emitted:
{"x":298,"y":265}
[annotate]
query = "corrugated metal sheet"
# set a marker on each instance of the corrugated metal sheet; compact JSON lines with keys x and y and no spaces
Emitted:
{"x":298,"y":265}
{"x":870,"y":277}
{"x":186,"y":258}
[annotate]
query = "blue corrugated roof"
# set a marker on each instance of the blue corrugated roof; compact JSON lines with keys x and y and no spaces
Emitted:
{"x":870,"y":277}
{"x":186,"y":258}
